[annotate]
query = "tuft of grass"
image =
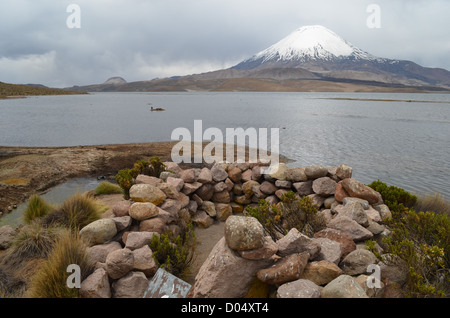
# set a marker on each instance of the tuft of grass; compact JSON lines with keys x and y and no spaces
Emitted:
{"x":106,"y":187}
{"x":32,"y":241}
{"x":76,"y":212}
{"x":29,"y":249}
{"x":37,"y":207}
{"x":432,"y":203}
{"x":50,"y":281}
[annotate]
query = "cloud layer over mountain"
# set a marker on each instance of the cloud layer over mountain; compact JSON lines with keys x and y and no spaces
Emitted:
{"x":144,"y":39}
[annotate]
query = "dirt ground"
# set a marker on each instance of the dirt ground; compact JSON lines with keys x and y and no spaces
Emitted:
{"x":28,"y":170}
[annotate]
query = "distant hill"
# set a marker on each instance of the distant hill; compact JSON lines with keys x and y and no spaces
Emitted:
{"x":311,"y":59}
{"x":17,"y":90}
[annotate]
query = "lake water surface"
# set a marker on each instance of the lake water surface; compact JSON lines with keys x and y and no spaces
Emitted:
{"x":404,"y":142}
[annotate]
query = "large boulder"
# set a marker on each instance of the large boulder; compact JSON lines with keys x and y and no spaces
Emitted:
{"x":344,"y":171}
{"x":358,"y":261}
{"x":300,"y":288}
{"x":144,"y":262}
{"x":98,"y":253}
{"x":132,"y":285}
{"x":356,"y":189}
{"x":243,"y":233}
{"x":141,"y":211}
{"x":354,"y":211}
{"x":218,"y":173}
{"x":147,"y":193}
{"x":278,"y":171}
{"x":268,"y":249}
{"x":296,"y":174}
{"x":329,"y":250}
{"x":344,"y":286}
{"x":321,"y":272}
{"x":121,"y":208}
{"x":316,"y":171}
{"x":136,"y":240}
{"x":99,"y":232}
{"x":346,"y":242}
{"x":96,"y":285}
{"x":296,"y":242}
{"x":287,"y":269}
{"x":119,"y":263}
{"x":225,"y":274}
{"x":351,"y":228}
{"x":324,"y":186}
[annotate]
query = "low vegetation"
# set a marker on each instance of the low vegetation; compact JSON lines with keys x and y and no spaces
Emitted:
{"x":39,"y":254}
{"x":37,"y":207}
{"x":8,"y":90}
{"x":290,"y":212}
{"x":421,"y":239}
{"x":174,"y":254}
{"x":76,"y":212}
{"x":126,"y":177}
{"x":106,"y":187}
{"x":50,"y":281}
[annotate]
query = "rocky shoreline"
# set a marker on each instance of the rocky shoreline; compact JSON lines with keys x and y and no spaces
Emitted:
{"x":335,"y":262}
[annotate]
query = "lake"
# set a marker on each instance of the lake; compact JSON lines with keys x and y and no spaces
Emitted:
{"x":404,"y":142}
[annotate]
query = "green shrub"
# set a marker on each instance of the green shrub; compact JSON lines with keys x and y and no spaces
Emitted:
{"x":156,"y":167}
{"x":76,"y":212}
{"x":37,"y":207}
{"x":395,"y":198}
{"x":174,"y":254}
{"x":106,"y":187}
{"x":421,"y":240}
{"x":290,"y":212}
{"x":50,"y":281}
{"x":125,"y":179}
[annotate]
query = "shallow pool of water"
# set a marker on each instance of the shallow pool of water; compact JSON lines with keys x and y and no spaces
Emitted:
{"x":55,"y":195}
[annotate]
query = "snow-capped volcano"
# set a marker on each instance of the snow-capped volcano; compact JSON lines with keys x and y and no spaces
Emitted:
{"x":311,"y":42}
{"x":306,"y":44}
{"x":323,"y":53}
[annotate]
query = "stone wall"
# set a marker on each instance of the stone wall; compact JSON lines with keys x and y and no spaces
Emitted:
{"x":333,"y":263}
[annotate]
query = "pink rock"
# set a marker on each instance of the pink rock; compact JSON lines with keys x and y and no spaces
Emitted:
{"x":285,"y":270}
{"x":96,"y":285}
{"x":225,"y":274}
{"x":356,"y":189}
{"x":119,"y":263}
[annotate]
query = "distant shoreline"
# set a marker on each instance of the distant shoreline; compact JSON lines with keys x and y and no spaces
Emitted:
{"x":28,"y":170}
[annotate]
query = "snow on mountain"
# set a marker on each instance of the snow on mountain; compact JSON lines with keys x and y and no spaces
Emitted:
{"x":307,"y":43}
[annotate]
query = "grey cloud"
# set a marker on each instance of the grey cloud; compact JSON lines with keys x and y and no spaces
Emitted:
{"x":144,"y":39}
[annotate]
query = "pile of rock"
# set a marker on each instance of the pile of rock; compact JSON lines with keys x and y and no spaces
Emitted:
{"x":328,"y":265}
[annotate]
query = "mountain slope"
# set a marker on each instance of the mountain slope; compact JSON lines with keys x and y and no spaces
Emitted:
{"x":312,"y":58}
{"x":320,"y":50}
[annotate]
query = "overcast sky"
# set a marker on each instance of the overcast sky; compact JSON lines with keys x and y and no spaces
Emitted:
{"x":145,"y":39}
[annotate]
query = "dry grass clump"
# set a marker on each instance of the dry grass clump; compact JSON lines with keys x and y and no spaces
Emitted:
{"x":50,"y":281}
{"x":37,"y":207}
{"x":106,"y":187}
{"x":76,"y":212}
{"x":432,"y":203}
